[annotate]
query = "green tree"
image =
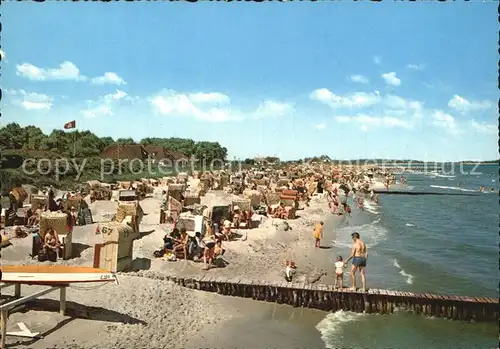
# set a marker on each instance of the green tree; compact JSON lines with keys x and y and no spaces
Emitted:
{"x":125,"y":141}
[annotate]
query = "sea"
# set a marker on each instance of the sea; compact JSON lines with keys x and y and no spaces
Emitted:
{"x":419,"y":243}
{"x":426,"y":243}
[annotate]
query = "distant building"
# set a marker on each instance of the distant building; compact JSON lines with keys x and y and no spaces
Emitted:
{"x":125,"y":152}
{"x":180,"y":159}
{"x":160,"y":155}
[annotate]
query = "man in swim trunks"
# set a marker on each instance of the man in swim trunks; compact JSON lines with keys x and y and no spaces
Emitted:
{"x":358,"y":255}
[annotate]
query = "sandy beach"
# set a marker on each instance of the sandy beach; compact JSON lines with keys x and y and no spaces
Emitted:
{"x":144,"y":308}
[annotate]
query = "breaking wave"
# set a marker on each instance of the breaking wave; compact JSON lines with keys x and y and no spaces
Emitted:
{"x":409,"y":277}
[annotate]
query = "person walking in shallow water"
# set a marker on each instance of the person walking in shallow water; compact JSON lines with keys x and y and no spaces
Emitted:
{"x":358,"y":255}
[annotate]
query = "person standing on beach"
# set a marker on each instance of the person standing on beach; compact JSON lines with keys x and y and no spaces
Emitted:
{"x":318,"y":233}
{"x":358,"y":255}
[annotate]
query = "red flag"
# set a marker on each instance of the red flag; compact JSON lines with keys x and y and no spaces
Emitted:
{"x":69,"y":125}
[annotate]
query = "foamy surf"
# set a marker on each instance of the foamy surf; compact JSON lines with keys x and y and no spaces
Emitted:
{"x":331,"y":327}
{"x":444,"y":176}
{"x":370,"y":207}
{"x":451,"y":188}
{"x":410,"y":225}
{"x":371,"y":233}
{"x":409,"y":277}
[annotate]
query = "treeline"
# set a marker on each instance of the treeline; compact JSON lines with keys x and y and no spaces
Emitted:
{"x":86,"y":144}
{"x":17,"y":144}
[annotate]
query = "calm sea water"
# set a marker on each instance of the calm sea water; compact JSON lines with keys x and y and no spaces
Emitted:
{"x":439,"y":244}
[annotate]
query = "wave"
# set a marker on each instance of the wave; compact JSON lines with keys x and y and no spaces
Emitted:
{"x":409,"y":277}
{"x":444,"y":176}
{"x":451,"y":188}
{"x":410,"y":225}
{"x":331,"y":327}
{"x":371,"y":207}
{"x":371,"y":233}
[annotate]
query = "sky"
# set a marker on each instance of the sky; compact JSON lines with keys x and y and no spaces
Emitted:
{"x":293,"y":80}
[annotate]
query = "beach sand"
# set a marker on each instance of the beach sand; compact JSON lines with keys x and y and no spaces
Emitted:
{"x":143,"y":308}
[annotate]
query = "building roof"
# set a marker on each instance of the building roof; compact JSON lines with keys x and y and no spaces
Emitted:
{"x":125,"y":151}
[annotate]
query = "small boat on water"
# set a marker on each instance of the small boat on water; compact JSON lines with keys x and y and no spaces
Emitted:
{"x":53,"y":274}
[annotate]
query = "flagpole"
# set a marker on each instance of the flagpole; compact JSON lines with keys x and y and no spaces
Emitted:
{"x":74,"y":144}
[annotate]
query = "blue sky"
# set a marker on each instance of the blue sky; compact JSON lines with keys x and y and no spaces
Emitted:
{"x":350,"y":80}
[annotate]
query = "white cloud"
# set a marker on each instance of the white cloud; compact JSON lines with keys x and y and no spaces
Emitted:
{"x":416,"y":66}
{"x":377,"y":60}
{"x":369,"y":120}
{"x":30,"y":100}
{"x":391,"y":79}
{"x":108,"y":78}
{"x":359,"y":78}
{"x":445,"y":121}
{"x":212,"y":107}
{"x":104,"y":105}
{"x":320,"y":126}
{"x":101,"y":110}
{"x":464,"y":106}
{"x":114,"y":96}
{"x":212,"y":97}
{"x":274,"y":109}
{"x":399,"y":103}
{"x":172,"y":103}
{"x":354,"y":100}
{"x":484,"y":127}
{"x":65,"y":71}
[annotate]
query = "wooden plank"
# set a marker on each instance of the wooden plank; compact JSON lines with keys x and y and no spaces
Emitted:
{"x":469,"y":299}
{"x":418,"y":295}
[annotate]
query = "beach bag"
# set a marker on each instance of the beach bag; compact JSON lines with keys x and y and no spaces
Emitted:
{"x":42,"y":255}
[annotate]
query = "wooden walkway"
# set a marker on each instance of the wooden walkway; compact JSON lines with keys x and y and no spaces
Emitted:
{"x":325,"y":297}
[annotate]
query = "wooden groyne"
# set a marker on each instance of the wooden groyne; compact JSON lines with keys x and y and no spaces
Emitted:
{"x":325,"y":297}
{"x":399,"y":192}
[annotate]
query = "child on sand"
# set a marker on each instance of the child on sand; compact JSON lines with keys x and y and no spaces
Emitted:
{"x":339,"y":272}
{"x":289,"y":270}
{"x":318,"y":234}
